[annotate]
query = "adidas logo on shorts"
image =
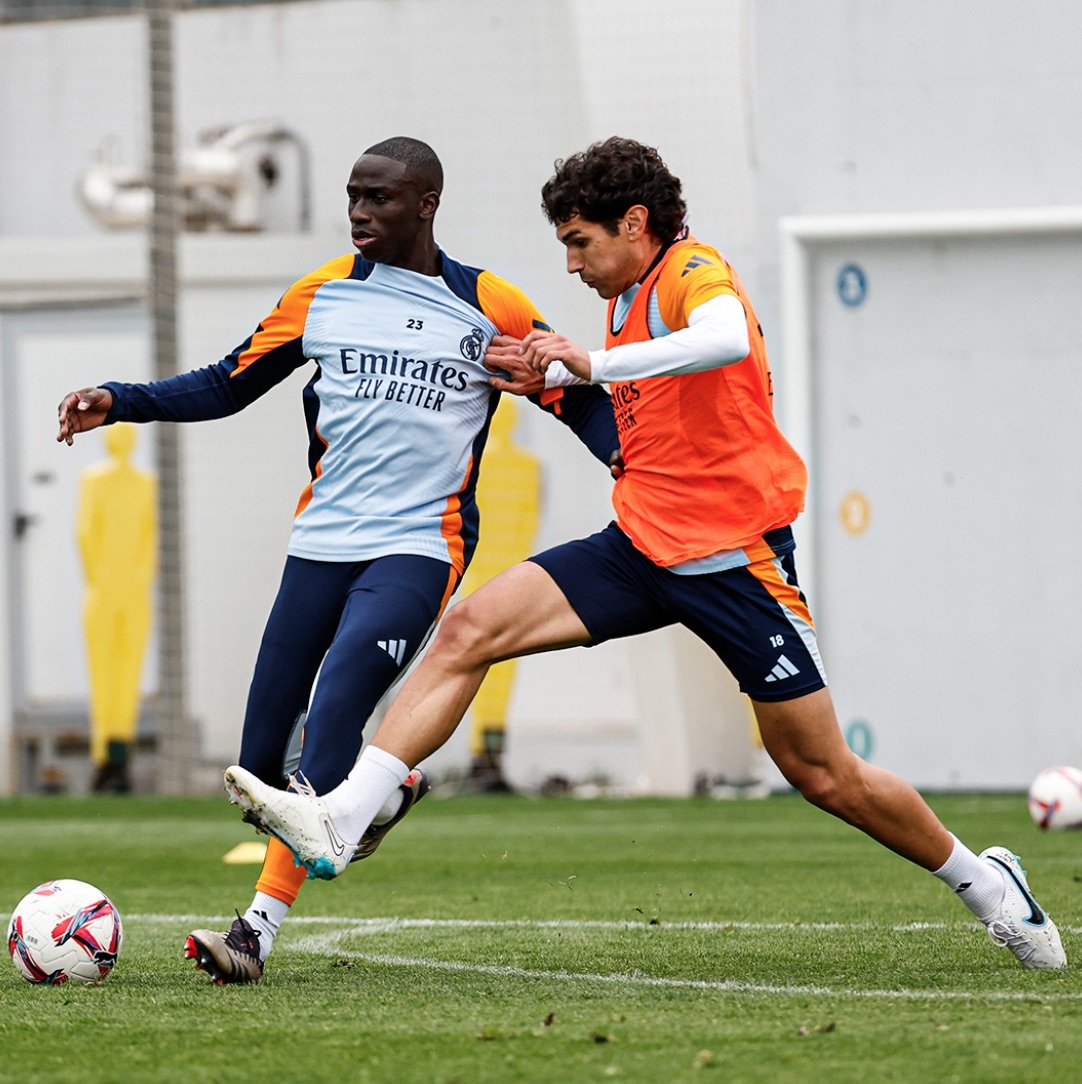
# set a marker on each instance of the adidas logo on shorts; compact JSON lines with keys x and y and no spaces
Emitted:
{"x":784,"y":669}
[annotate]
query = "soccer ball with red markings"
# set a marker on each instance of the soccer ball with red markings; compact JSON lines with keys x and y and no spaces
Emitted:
{"x":1055,"y":798}
{"x":65,"y":931}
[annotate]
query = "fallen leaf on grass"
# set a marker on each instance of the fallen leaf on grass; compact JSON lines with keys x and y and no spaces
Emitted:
{"x":819,"y":1029}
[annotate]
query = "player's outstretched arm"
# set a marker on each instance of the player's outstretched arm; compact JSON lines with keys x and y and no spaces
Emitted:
{"x":83,"y":410}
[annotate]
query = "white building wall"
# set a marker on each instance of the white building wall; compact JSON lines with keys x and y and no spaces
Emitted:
{"x":941,"y":645}
{"x":765,"y":109}
{"x":928,"y":105}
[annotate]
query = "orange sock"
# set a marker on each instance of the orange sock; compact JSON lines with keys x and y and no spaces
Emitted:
{"x":280,"y":876}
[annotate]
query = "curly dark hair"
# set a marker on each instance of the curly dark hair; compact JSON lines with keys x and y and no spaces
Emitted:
{"x":603,"y":181}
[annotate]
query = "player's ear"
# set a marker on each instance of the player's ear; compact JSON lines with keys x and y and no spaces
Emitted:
{"x":634,"y":221}
{"x":429,"y":204}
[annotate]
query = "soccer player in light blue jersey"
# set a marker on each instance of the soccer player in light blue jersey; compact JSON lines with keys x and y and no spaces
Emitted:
{"x":398,"y":411}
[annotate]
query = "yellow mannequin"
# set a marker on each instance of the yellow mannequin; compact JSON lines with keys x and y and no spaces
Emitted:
{"x":118,"y":540}
{"x":508,"y":493}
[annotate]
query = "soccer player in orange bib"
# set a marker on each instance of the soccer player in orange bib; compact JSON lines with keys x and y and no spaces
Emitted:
{"x":709,"y":490}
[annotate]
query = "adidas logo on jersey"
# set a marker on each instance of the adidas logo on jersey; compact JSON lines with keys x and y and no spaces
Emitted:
{"x":698,"y":260}
{"x":784,"y":669}
{"x":395,"y":648}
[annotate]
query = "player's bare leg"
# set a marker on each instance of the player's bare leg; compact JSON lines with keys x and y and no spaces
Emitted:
{"x":806,"y":743}
{"x":519,"y":612}
{"x":803,"y":738}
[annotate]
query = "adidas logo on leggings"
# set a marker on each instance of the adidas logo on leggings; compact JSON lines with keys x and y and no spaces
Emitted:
{"x":395,"y":648}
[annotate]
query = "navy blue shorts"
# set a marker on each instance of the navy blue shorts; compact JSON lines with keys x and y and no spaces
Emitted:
{"x":754,"y":618}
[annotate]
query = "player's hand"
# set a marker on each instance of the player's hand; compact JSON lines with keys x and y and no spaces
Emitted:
{"x":82,"y":410}
{"x":510,"y":372}
{"x":542,"y":348}
{"x":616,"y":464}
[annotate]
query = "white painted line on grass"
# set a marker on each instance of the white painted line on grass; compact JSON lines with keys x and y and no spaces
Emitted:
{"x":722,"y":986}
{"x":389,"y":924}
{"x":330,"y":943}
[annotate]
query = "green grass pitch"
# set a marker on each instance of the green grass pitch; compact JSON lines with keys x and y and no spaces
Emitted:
{"x":508,"y":939}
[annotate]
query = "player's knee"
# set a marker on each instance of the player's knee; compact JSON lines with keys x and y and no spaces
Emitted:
{"x":827,"y":786}
{"x":464,"y":635}
{"x":816,"y":786}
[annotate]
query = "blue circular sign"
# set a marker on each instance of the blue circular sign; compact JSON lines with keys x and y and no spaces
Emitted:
{"x":852,"y":285}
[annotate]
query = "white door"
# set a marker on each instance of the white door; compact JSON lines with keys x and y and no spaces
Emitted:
{"x":947,"y":385}
{"x":43,"y":355}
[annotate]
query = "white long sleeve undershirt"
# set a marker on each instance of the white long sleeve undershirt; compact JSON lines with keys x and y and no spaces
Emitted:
{"x":716,"y":335}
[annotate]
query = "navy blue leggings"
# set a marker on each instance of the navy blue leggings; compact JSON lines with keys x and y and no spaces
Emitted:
{"x":356,"y":625}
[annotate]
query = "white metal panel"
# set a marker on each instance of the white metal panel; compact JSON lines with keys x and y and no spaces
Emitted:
{"x":945,"y":405}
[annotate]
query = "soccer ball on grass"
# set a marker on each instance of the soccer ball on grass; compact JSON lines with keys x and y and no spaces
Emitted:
{"x":65,"y":931}
{"x":1055,"y":798}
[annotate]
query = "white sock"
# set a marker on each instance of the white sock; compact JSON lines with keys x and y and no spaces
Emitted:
{"x":390,"y":807}
{"x":265,"y":914}
{"x":979,"y":885}
{"x":356,"y":802}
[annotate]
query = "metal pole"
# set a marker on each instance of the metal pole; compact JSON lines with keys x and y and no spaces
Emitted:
{"x":177,"y":744}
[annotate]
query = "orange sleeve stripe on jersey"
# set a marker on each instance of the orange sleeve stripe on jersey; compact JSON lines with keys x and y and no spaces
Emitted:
{"x":508,"y":307}
{"x":514,"y":314}
{"x":286,"y":322}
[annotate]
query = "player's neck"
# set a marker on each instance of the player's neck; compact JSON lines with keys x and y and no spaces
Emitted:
{"x":424,"y":259}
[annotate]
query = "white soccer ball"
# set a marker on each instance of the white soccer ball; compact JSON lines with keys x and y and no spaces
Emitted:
{"x":1055,"y":798}
{"x":65,"y":931}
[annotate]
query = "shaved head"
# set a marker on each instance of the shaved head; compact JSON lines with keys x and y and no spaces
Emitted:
{"x":422,"y":165}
